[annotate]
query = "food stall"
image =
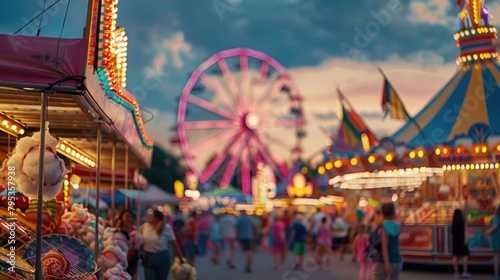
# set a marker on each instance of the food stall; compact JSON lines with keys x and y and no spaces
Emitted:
{"x":52,"y":96}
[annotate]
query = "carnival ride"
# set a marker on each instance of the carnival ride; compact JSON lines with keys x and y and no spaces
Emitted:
{"x":446,"y":155}
{"x":243,"y":105}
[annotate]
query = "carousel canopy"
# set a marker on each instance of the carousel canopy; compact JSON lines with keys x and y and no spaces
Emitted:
{"x":464,"y":109}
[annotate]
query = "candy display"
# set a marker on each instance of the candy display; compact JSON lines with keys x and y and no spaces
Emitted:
{"x":114,"y":256}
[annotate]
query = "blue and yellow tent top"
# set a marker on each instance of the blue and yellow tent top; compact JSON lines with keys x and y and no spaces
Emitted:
{"x":467,"y":106}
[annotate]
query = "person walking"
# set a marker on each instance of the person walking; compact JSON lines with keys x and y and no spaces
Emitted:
{"x":360,"y":245}
{"x":494,"y":233}
{"x":460,"y":250}
{"x":204,"y":233}
{"x":287,"y":219}
{"x":158,"y":239}
{"x":389,"y":262}
{"x":324,"y":241}
{"x":298,"y":239}
{"x":125,"y":223}
{"x":216,"y":237}
{"x":246,"y":232}
{"x":279,"y":242}
{"x":227,"y":227}
{"x":190,"y":236}
{"x":340,"y":234}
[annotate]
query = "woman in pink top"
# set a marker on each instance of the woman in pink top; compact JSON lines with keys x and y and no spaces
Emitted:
{"x":278,"y":236}
{"x":361,"y":242}
{"x":324,"y":239}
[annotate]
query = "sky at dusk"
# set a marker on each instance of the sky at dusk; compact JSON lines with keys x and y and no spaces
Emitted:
{"x":318,"y":41}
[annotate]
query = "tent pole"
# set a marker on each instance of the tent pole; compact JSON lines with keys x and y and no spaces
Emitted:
{"x":113,"y":174}
{"x":126,"y":177}
{"x":41,"y":179}
{"x":98,"y":189}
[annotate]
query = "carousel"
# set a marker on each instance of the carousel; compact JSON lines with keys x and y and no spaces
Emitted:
{"x":445,"y":157}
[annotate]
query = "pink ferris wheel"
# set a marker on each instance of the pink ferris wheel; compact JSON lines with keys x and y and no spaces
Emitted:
{"x":239,"y":108}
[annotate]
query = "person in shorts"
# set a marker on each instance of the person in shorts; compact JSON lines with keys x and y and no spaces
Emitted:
{"x":227,"y":228}
{"x":298,"y":240}
{"x":190,"y":237}
{"x":279,"y":241}
{"x":388,"y":262}
{"x":216,"y":237}
{"x":246,"y":232}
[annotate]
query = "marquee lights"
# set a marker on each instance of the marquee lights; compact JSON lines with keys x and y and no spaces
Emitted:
{"x":112,"y":65}
{"x":474,"y":31}
{"x":471,"y":166}
{"x":410,"y":177}
{"x":11,"y":126}
{"x":78,"y":155}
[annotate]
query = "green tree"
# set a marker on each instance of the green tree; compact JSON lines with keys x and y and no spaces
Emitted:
{"x":165,"y":170}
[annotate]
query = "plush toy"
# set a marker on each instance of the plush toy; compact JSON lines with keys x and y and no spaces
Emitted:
{"x":83,"y":225}
{"x":182,"y":271}
{"x":113,"y":259}
{"x":25,"y":160}
{"x":4,"y":175}
{"x":116,"y":273}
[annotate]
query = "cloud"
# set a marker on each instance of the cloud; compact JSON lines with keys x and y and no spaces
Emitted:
{"x":159,"y":63}
{"x":362,"y":84}
{"x":325,"y":116}
{"x":431,"y":11}
{"x":367,"y":115}
{"x":160,"y":129}
{"x":176,"y":46}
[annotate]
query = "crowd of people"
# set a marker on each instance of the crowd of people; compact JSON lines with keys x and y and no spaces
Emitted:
{"x":373,"y":242}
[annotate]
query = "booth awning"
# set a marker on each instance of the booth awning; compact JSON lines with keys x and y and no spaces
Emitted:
{"x":77,"y":99}
{"x":153,"y":195}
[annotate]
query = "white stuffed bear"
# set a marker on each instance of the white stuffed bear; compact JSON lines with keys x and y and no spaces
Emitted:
{"x":25,"y":159}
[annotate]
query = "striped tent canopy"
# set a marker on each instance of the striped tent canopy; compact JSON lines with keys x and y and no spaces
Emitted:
{"x":465,"y":111}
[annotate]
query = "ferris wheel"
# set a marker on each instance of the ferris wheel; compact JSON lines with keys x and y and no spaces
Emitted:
{"x":239,"y":108}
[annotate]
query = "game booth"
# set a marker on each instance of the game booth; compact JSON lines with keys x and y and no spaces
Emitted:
{"x":64,"y":106}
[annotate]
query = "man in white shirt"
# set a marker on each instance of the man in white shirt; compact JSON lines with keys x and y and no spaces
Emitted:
{"x":227,"y":225}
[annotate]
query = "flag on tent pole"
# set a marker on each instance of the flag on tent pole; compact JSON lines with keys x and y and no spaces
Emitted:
{"x":352,"y":135}
{"x":391,"y":102}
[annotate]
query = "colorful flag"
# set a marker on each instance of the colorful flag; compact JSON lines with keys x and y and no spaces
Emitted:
{"x":392,"y":103}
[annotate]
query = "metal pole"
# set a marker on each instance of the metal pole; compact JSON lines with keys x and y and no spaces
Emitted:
{"x":113,"y":175}
{"x":137,"y":209}
{"x":98,"y":190}
{"x":126,"y":176}
{"x":41,"y":179}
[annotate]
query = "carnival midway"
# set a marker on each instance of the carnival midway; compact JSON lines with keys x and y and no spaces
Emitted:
{"x":75,"y":205}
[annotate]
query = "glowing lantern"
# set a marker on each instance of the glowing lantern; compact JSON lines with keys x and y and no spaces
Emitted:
{"x":371,"y":159}
{"x":299,"y":187}
{"x":191,"y":180}
{"x":321,"y":170}
{"x":179,"y":188}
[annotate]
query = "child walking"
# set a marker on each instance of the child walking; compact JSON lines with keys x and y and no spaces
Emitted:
{"x":298,"y":241}
{"x":388,"y":263}
{"x":324,"y":239}
{"x":360,"y":244}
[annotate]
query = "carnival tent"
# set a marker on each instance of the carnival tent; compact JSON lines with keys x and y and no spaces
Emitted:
{"x":466,"y":107}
